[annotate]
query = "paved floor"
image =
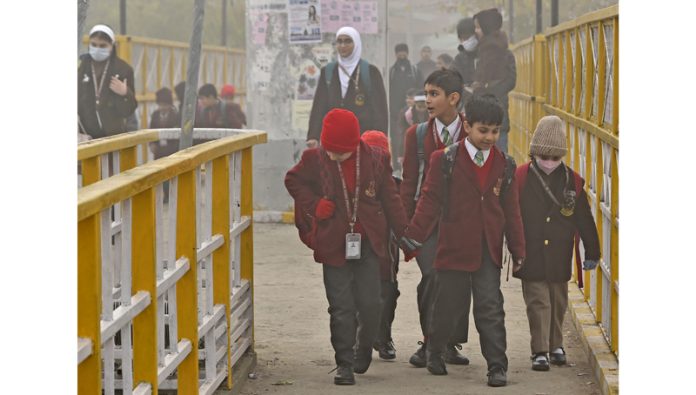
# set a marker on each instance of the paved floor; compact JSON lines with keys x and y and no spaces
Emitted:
{"x":295,"y":355}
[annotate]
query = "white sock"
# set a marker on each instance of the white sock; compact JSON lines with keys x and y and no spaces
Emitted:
{"x":558,"y":351}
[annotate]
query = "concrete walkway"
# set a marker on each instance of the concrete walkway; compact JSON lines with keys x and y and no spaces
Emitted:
{"x":295,"y":354}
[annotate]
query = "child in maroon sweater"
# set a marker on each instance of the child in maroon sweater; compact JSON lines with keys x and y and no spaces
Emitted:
{"x":346,"y":189}
{"x":475,"y":211}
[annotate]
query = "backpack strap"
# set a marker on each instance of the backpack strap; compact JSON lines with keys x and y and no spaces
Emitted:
{"x":448,"y":159}
{"x":328,"y":73}
{"x":421,"y":130}
{"x":510,"y":170}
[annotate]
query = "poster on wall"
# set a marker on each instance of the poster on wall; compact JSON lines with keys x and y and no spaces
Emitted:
{"x":304,"y":21}
{"x":362,"y":15}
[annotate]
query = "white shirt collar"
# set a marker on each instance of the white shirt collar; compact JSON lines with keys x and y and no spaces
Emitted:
{"x":472,"y":151}
{"x":453,"y":128}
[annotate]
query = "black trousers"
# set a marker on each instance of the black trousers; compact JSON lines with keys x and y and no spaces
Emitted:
{"x":353,"y":291}
{"x":426,"y":293}
{"x":452,"y":290}
{"x":390,"y":292}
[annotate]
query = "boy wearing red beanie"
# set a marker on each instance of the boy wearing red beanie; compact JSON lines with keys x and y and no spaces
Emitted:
{"x":345,"y":188}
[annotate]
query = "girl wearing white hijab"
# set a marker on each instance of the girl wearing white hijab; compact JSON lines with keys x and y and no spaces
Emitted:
{"x":344,"y":84}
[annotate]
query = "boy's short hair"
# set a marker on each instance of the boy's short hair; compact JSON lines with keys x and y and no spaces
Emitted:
{"x":449,"y":80}
{"x":180,"y":89}
{"x":465,"y":27}
{"x":401,"y":47}
{"x":208,"y":90}
{"x":485,"y":109}
{"x":426,"y":48}
{"x":164,"y":96}
{"x":445,"y":58}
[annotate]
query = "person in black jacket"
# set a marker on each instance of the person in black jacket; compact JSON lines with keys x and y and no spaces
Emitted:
{"x":554,"y":211}
{"x":402,"y":78}
{"x":496,"y":72}
{"x":464,"y":62}
{"x":346,"y":87}
{"x":105,"y":87}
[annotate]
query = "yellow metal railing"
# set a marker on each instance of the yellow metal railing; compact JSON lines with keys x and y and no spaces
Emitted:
{"x":572,"y":71}
{"x":184,"y":265}
{"x":125,"y":150}
{"x":162,"y":63}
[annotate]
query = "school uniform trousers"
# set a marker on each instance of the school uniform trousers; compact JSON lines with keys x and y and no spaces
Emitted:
{"x":353,"y":290}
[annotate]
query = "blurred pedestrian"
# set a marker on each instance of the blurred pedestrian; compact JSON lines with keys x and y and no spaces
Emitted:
{"x":209,"y":115}
{"x":351,"y":83}
{"x":180,"y":90}
{"x":232,"y":115}
{"x":496,"y":72}
{"x":415,"y":113}
{"x":464,"y":61}
{"x":105,"y":87}
{"x":402,"y":78}
{"x":166,"y":116}
{"x":426,"y":65}
{"x":444,"y":61}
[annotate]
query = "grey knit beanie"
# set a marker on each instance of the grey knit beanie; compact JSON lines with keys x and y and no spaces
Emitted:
{"x":549,"y":137}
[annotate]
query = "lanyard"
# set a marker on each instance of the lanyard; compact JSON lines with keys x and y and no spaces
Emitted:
{"x":352,"y":216}
{"x":357,"y":75}
{"x":546,"y":187}
{"x":97,"y":90}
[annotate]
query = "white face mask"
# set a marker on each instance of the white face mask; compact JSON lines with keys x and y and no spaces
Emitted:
{"x":99,"y":54}
{"x":470,"y":43}
{"x":547,"y":166}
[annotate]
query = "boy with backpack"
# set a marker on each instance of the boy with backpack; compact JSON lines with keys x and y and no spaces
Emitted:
{"x":555,"y":213}
{"x":446,"y":125}
{"x":345,"y":189}
{"x":470,"y":188}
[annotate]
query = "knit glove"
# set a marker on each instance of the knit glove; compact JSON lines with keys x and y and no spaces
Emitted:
{"x":589,"y":264}
{"x":325,"y":209}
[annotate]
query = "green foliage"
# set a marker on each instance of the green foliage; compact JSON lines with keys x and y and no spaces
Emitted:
{"x":171,"y":19}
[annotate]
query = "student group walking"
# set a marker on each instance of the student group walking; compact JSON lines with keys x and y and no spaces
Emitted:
{"x":461,"y":201}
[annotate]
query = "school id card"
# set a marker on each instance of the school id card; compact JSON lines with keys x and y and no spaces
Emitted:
{"x":353,"y":246}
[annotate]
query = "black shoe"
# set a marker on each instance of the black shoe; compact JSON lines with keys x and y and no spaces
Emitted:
{"x":540,"y":362}
{"x":418,"y":358}
{"x":558,"y":358}
{"x":386,"y":350}
{"x":361,"y":361}
{"x":344,"y":376}
{"x":436,"y":364}
{"x":452,"y":356}
{"x":497,"y":377}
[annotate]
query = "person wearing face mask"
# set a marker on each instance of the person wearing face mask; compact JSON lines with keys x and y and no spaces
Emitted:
{"x":350,"y":83}
{"x":464,"y":61}
{"x":105,"y":87}
{"x":555,"y":213}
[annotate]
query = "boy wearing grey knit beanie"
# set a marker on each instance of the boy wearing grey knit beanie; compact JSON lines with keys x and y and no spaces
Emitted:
{"x":555,"y":213}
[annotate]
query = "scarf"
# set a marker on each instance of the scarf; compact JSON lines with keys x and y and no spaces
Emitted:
{"x":351,"y":62}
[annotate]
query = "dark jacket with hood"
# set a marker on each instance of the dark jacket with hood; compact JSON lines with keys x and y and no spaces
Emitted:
{"x":113,"y":109}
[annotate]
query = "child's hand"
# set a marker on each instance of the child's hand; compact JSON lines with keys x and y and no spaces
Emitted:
{"x":410,"y":247}
{"x":325,"y":209}
{"x":589,"y":264}
{"x":312,"y":143}
{"x":117,"y":86}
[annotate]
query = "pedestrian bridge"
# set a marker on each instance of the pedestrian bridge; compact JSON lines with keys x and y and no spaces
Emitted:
{"x":167,"y":293}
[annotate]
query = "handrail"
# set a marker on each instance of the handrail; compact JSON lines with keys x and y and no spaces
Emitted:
{"x":92,"y":148}
{"x":571,"y":70}
{"x":95,"y":197}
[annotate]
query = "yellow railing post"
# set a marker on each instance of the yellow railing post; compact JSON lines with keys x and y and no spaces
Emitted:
{"x":127,"y":158}
{"x":247,"y":236}
{"x":602,"y":52}
{"x":599,"y":220}
{"x":614,"y":252}
{"x":89,"y":303}
{"x":589,"y":72}
{"x":91,"y":170}
{"x":186,"y":290}
{"x":221,"y":256}
{"x":588,"y":174}
{"x":145,"y":279}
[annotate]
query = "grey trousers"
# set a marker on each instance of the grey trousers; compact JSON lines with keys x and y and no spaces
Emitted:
{"x":452,"y":290}
{"x":546,"y":306}
{"x":353,"y":292}
{"x":426,"y":293}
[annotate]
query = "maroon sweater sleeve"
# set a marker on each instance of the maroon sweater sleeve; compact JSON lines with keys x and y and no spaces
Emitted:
{"x":410,"y":171}
{"x":391,"y":202}
{"x":514,"y":230}
{"x":303,"y":181}
{"x":429,"y":204}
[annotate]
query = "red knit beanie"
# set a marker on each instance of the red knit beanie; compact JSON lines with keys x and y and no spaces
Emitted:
{"x":375,"y":138}
{"x":227,"y":90}
{"x":340,"y":131}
